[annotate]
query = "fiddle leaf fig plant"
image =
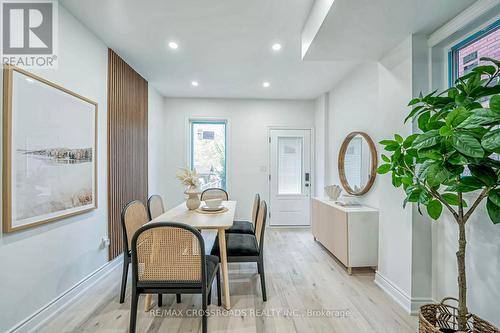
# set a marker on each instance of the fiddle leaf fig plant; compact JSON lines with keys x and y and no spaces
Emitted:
{"x":456,"y":152}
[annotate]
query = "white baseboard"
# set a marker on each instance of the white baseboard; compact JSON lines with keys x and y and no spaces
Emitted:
{"x":47,"y":312}
{"x":410,"y":305}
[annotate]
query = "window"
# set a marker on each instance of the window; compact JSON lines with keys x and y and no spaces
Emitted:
{"x":465,"y":56}
{"x":208,"y":152}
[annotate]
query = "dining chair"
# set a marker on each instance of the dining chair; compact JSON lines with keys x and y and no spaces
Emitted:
{"x":133,"y":217}
{"x":248,"y":248}
{"x":247,"y":227}
{"x":214,"y":193}
{"x":155,"y":209}
{"x":155,"y":206}
{"x":169,"y":258}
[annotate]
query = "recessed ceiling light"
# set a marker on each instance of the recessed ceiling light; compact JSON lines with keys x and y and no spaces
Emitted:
{"x":266,"y":84}
{"x":276,"y":47}
{"x":173,"y":45}
{"x":194,"y":83}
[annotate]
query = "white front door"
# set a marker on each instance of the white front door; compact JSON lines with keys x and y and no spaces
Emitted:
{"x":290,"y":176}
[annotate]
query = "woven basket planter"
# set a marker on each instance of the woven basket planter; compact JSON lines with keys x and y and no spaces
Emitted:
{"x":443,"y":317}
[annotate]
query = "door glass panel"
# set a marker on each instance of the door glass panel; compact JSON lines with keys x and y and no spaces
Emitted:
{"x":289,"y":165}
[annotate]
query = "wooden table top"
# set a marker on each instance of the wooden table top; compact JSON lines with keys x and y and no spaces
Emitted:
{"x":181,"y":214}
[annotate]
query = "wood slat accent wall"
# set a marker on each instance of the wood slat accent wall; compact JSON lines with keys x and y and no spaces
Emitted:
{"x":127,"y":144}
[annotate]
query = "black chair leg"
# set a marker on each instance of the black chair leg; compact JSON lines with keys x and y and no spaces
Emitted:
{"x":124,"y":278}
{"x":133,"y":311}
{"x":178,"y":298}
{"x":160,"y":300}
{"x":219,"y":291}
{"x":260,"y":268}
{"x":209,"y":300}
{"x":204,"y":328}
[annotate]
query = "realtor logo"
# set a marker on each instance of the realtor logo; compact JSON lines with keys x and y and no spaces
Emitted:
{"x":29,"y":33}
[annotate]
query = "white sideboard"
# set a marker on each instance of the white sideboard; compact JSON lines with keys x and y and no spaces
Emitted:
{"x":350,"y":233}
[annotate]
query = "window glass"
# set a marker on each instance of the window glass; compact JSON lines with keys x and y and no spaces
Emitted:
{"x":289,"y":165}
{"x":208,"y":153}
{"x":466,"y":55}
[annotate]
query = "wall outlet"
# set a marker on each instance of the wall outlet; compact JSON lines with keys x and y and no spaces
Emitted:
{"x":105,"y":242}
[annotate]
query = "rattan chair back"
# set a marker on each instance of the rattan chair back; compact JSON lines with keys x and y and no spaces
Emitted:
{"x":134,"y":216}
{"x":155,"y":206}
{"x":168,"y":253}
{"x":214,"y":193}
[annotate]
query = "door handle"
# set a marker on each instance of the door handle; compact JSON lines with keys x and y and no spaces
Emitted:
{"x":307,"y":176}
{"x":307,"y":184}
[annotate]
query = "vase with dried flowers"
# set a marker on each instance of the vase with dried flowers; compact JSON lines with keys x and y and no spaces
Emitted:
{"x":190,"y":179}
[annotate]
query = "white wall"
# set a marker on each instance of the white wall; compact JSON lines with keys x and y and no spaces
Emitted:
{"x":157,"y":146}
{"x":39,"y":264}
{"x":321,"y":132}
{"x":374,"y":99}
{"x":248,"y":122}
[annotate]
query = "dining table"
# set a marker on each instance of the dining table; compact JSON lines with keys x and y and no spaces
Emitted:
{"x":202,"y":220}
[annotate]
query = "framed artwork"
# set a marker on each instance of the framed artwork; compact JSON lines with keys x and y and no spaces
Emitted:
{"x":49,"y":151}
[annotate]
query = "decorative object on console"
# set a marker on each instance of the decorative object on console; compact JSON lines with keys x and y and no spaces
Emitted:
{"x":333,"y":191}
{"x":49,"y":152}
{"x":190,"y":179}
{"x":456,"y":152}
{"x":347,"y":200}
{"x":357,"y":163}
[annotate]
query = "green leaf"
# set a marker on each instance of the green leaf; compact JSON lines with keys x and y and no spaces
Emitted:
{"x":386,"y":159}
{"x":423,"y":169}
{"x":396,"y":180}
{"x":491,"y":141}
{"x":494,"y":196}
{"x":434,"y":209}
{"x":467,"y":144}
{"x":392,"y":147}
{"x":387,"y":142}
{"x":484,"y":173}
{"x":423,"y":119}
{"x":445,"y":131}
{"x":457,"y":159}
{"x":432,"y":153}
{"x":495,"y":104}
{"x":453,"y":199}
{"x":455,"y":117}
{"x":384,"y":168}
{"x":437,"y":174}
{"x":485,"y":69}
{"x":409,"y":140}
{"x":398,"y":138}
{"x":427,"y":139}
{"x":493,"y":211}
{"x":414,"y":101}
{"x":480,"y":117}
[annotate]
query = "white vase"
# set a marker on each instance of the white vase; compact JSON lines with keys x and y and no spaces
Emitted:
{"x":193,"y":200}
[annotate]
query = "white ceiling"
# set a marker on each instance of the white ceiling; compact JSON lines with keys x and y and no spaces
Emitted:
{"x":367,"y":29}
{"x":225,"y":45}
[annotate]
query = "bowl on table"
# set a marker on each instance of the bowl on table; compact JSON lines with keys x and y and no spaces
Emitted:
{"x":213,"y":203}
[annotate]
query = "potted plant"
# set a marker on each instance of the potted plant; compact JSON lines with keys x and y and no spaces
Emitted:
{"x":191,"y":180}
{"x":455,"y":153}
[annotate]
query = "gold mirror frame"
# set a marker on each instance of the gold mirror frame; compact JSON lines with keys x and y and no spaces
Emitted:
{"x":341,"y":160}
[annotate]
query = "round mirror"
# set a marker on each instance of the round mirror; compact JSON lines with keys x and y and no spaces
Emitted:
{"x":357,"y":163}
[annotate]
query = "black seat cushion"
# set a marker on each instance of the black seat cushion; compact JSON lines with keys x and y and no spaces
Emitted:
{"x":238,"y":245}
{"x":212,"y":264}
{"x":241,"y":227}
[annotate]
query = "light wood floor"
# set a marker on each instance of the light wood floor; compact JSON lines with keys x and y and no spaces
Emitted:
{"x":300,"y":275}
